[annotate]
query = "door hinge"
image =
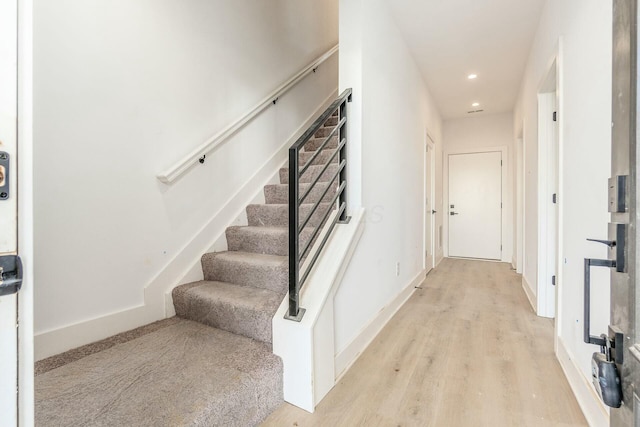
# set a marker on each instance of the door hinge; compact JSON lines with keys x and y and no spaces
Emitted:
{"x":500,"y":162}
{"x":555,"y":116}
{"x":553,"y":280}
{"x":554,"y":198}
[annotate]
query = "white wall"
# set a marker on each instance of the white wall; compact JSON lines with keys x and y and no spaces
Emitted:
{"x":394,"y":106}
{"x":122,"y":91}
{"x":585,"y":128}
{"x":478,"y":133}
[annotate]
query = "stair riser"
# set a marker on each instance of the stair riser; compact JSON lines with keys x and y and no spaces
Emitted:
{"x":311,"y":174}
{"x":238,"y":320}
{"x":331,"y":121}
{"x":279,"y":194}
{"x":324,"y":131}
{"x":241,"y":239}
{"x":278,"y":215}
{"x":273,"y":278}
{"x":322,"y":158}
{"x":314,"y":144}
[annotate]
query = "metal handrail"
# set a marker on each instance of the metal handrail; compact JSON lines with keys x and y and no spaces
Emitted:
{"x":296,"y":281}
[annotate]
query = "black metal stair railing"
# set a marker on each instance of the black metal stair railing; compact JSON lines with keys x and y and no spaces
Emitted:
{"x":337,"y":183}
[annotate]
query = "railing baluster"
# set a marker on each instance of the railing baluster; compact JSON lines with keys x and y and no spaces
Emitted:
{"x":294,"y":236}
{"x":295,"y":312}
{"x":343,"y":158}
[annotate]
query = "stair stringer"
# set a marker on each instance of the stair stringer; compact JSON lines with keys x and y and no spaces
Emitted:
{"x":307,"y":348}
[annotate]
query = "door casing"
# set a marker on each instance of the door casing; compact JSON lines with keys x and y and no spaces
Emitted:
{"x":429,"y":245}
{"x":549,"y":176}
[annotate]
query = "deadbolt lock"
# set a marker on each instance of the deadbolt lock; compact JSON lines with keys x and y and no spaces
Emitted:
{"x":4,"y":175}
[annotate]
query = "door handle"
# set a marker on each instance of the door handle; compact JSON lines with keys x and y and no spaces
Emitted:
{"x":454,"y":213}
{"x":588,"y":263}
{"x":10,"y":274}
{"x":609,"y":243}
{"x":434,"y":211}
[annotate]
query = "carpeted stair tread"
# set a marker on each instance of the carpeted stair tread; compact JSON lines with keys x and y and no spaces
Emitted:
{"x":248,"y":269}
{"x":263,"y":240}
{"x":279,"y":193}
{"x":277,"y":215}
{"x":183,"y":374}
{"x":310,"y":174}
{"x":243,"y":310}
{"x":322,"y":158}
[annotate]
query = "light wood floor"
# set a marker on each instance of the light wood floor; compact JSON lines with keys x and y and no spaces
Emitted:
{"x":466,"y":350}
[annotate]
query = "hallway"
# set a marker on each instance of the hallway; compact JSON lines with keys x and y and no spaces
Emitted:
{"x":465,"y":350}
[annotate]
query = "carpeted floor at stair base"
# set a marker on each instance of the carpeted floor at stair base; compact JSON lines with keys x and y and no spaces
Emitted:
{"x":185,"y":374}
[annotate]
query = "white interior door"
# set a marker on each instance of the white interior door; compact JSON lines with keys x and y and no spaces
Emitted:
{"x":548,"y":185}
{"x":475,"y":205}
{"x":8,"y":210}
{"x":429,"y":208}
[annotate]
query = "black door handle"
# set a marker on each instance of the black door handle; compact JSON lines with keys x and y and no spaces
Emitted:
{"x":588,"y":263}
{"x":610,"y":243}
{"x":434,"y":211}
{"x":454,"y":213}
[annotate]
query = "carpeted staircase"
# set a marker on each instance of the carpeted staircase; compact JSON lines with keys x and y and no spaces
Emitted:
{"x":243,"y":287}
{"x":213,"y":365}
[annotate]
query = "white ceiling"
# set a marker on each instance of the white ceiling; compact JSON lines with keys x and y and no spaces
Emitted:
{"x":451,"y":39}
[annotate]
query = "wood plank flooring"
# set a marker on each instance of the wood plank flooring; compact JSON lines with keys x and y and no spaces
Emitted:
{"x":465,"y":350}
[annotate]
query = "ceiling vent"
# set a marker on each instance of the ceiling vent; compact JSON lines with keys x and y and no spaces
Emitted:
{"x":474,"y":111}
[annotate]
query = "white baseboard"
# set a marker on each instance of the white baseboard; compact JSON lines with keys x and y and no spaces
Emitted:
{"x":594,"y":410}
{"x":347,"y":357}
{"x":183,"y":268}
{"x":531,"y":296}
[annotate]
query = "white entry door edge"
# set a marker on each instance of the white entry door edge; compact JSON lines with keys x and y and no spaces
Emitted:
{"x":506,"y":199}
{"x":8,"y":207}
{"x":26,"y":406}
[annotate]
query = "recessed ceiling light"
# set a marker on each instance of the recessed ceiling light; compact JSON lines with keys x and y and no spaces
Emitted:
{"x":475,"y":104}
{"x":472,"y":76}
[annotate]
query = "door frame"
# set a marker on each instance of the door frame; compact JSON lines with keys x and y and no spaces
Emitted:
{"x":26,"y":405}
{"x":519,"y":225}
{"x":506,"y":204}
{"x":431,"y":169}
{"x":549,"y":97}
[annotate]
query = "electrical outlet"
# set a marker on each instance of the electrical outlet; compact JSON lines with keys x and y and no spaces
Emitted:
{"x":397,"y":268}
